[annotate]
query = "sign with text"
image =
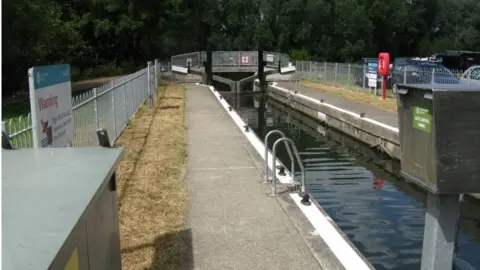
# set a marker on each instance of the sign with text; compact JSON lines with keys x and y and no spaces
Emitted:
{"x":422,"y":119}
{"x":51,"y":105}
{"x":270,"y":58}
{"x":245,"y":59}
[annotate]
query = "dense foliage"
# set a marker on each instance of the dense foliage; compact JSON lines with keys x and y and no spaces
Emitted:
{"x":104,"y":37}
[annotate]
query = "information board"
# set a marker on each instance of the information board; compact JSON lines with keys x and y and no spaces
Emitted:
{"x":372,"y":74}
{"x":51,"y":105}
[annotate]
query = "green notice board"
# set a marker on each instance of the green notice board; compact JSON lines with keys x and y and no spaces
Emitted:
{"x":422,"y":119}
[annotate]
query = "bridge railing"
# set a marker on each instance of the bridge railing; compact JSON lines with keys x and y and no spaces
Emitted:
{"x":181,"y":60}
{"x":230,"y":59}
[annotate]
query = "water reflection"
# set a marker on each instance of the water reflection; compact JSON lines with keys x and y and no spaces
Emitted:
{"x":360,"y":188}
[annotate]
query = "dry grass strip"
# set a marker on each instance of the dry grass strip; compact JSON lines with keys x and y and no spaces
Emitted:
{"x":389,"y":104}
{"x":151,"y":195}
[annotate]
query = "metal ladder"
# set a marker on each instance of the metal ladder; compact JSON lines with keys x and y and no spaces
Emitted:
{"x":291,"y":147}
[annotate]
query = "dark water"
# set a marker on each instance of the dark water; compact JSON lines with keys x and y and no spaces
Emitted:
{"x":360,"y":188}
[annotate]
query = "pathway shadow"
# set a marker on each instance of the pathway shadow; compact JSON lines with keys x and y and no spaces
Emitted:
{"x":173,"y":251}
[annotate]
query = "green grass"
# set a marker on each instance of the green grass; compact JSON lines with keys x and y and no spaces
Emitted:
{"x":340,"y":80}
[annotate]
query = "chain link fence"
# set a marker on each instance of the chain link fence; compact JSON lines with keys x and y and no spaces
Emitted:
{"x":362,"y":78}
{"x":109,"y":106}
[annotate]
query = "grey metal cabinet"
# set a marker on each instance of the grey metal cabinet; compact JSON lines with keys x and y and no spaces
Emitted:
{"x":439,"y":135}
{"x":59,"y":209}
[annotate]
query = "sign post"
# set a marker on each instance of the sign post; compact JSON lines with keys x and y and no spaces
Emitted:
{"x":51,"y":105}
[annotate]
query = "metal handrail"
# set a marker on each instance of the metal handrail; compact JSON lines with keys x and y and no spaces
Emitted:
{"x":297,"y":156}
{"x":266,"y":180}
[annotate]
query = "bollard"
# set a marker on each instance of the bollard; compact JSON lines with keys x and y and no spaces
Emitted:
{"x":306,"y":199}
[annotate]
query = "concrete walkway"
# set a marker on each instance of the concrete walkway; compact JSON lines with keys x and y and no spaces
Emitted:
{"x":386,"y":117}
{"x":233,"y":223}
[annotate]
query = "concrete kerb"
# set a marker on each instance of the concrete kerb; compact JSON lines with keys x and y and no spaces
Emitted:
{"x":330,"y":246}
{"x":367,"y":130}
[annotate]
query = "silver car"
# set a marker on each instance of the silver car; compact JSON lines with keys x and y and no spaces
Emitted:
{"x":471,"y":75}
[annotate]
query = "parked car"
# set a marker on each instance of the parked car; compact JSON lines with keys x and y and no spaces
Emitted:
{"x":419,"y":72}
{"x":471,"y":75}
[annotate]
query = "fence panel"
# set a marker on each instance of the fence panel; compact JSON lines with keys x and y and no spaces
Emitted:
{"x":84,"y":119}
{"x":109,"y":106}
{"x":356,"y":77}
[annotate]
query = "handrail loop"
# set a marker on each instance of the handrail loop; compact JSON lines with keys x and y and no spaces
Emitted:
{"x":266,"y":180}
{"x":297,"y":156}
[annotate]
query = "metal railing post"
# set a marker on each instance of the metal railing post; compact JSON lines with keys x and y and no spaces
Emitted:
{"x":95,"y":109}
{"x":325,"y":71}
{"x":314,"y":78}
{"x":149,"y":83}
{"x":336,"y":71}
{"x":363,"y":77}
{"x":125,"y":100}
{"x":133,"y":97}
{"x":349,"y":67}
{"x":405,"y":75}
{"x":310,"y":71}
{"x":156,"y":74}
{"x":114,"y":113}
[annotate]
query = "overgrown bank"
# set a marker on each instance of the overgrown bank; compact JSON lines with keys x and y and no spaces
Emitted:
{"x":151,"y":194}
{"x":389,"y":104}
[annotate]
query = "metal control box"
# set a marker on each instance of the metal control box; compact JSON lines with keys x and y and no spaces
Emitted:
{"x":59,"y":209}
{"x":439,"y":129}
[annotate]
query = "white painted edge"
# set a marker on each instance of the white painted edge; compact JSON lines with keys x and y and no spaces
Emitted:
{"x":180,"y":69}
{"x":337,"y":244}
{"x":366,"y":119}
{"x":322,"y":223}
{"x":252,"y":138}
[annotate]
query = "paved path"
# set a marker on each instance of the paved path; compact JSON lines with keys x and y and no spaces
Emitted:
{"x":233,"y":223}
{"x":386,"y":117}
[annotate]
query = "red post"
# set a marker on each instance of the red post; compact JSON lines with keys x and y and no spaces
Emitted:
{"x":384,"y":87}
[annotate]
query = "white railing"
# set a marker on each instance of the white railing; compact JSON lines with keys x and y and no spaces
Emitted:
{"x":109,"y":106}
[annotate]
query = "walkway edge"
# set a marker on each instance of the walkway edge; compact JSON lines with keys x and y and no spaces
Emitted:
{"x":323,"y":226}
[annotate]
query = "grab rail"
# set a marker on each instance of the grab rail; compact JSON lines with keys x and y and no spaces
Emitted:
{"x":297,"y":156}
{"x":266,"y":180}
